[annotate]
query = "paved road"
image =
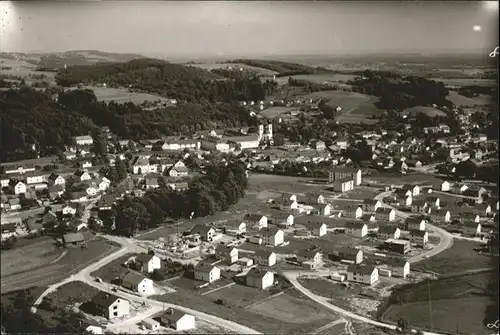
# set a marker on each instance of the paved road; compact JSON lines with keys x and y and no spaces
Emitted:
{"x":129,"y":246}
{"x":445,"y":238}
{"x":292,"y":277}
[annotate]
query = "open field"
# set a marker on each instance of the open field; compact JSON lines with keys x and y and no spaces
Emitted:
{"x":212,"y":66}
{"x":23,"y":258}
{"x":273,"y":112}
{"x":240,"y":295}
{"x":24,"y":70}
{"x":270,"y":316}
{"x":388,"y":179}
{"x":356,"y":107}
{"x":464,"y":82}
{"x":465,"y":315}
{"x":461,"y":256}
{"x":75,"y":260}
{"x":460,"y":100}
{"x":361,"y":193}
{"x":122,"y":95}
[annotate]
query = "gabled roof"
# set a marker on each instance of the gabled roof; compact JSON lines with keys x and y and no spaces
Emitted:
{"x":201,"y":229}
{"x":73,"y":237}
{"x":349,"y":251}
{"x":252,"y":217}
{"x":172,"y":316}
{"x":257,"y":273}
{"x":355,"y":225}
{"x":363,"y":269}
{"x":269,"y":232}
{"x":308,"y":253}
{"x":420,"y":233}
{"x":387,"y":229}
{"x":132,"y":278}
{"x":384,"y":210}
{"x":204,"y":267}
{"x":104,"y":299}
{"x":144,"y":258}
{"x":263,"y":253}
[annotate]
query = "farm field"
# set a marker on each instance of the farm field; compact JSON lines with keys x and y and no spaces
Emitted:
{"x":465,"y":315}
{"x":24,"y":70}
{"x":273,"y":112}
{"x":464,"y":82}
{"x":75,"y":260}
{"x":460,"y":100}
{"x":269,"y":316}
{"x":361,"y":193}
{"x":39,"y":252}
{"x":122,"y":95}
{"x":330,"y":78}
{"x":356,"y":107}
{"x":460,"y":257}
{"x":388,"y":179}
{"x":212,"y":66}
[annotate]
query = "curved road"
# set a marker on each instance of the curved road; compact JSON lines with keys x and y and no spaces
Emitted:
{"x":129,"y":247}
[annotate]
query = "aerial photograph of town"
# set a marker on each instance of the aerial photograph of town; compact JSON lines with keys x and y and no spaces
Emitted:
{"x":248,"y":167}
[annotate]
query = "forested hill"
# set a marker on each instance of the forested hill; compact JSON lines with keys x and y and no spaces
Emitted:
{"x":32,"y":118}
{"x":283,"y":69}
{"x":168,"y":80}
{"x":82,"y":57}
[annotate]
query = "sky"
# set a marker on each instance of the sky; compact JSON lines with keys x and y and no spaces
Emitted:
{"x":248,"y":27}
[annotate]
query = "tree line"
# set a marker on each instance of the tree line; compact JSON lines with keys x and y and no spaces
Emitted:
{"x":399,"y":93}
{"x":220,"y":187}
{"x":186,"y":83}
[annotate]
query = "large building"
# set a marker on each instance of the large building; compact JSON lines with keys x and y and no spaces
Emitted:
{"x":110,"y":306}
{"x":341,"y":173}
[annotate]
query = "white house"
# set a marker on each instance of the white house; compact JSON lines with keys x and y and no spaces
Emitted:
{"x":150,"y":324}
{"x":399,"y":267}
{"x":272,"y":236}
{"x":355,"y":212}
{"x":440,"y":215}
{"x":415,"y":189}
{"x":370,"y":205}
{"x":235,"y":227}
{"x":310,"y":258}
{"x":325,"y":209}
{"x":5,"y":182}
{"x":206,"y":272}
{"x":82,"y":175}
{"x":318,"y":229}
{"x":245,"y":142}
{"x":226,"y":254}
{"x":362,"y":274}
{"x":385,"y":214}
{"x":415,"y":224}
{"x":419,"y":237}
{"x":137,"y":283}
{"x":255,"y":221}
{"x":148,"y":263}
{"x":265,"y":258}
{"x":343,"y":185}
{"x":141,"y":165}
{"x":178,"y":320}
{"x":386,"y":232}
{"x":206,"y":232}
{"x":344,"y":172}
{"x":445,"y":186}
{"x":110,"y":306}
{"x":357,"y":229}
{"x":349,"y":254}
{"x":259,"y":278}
{"x":282,"y":219}
{"x":56,"y":179}
{"x":32,"y":178}
{"x":69,"y":209}
{"x":20,"y":188}
{"x":83,"y":140}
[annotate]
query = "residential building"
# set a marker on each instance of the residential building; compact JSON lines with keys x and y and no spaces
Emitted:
{"x":226,"y":254}
{"x":398,"y":246}
{"x":318,"y":229}
{"x":34,"y":178}
{"x":150,"y":324}
{"x":82,"y":175}
{"x":357,"y":229}
{"x":385,"y":214}
{"x":419,"y":237}
{"x":309,"y":258}
{"x":259,"y":278}
{"x":206,"y":272}
{"x":151,"y":183}
{"x":343,"y":185}
{"x":110,"y":306}
{"x":244,"y":142}
{"x":235,"y":227}
{"x":141,"y":165}
{"x":421,"y":207}
{"x":468,"y":217}
{"x":341,"y":173}
{"x":399,"y":267}
{"x":388,"y":231}
{"x":19,"y":188}
{"x":255,"y":221}
{"x":471,"y":228}
{"x":70,"y":209}
{"x":178,"y":171}
{"x":445,"y":186}
{"x":348,"y":254}
{"x":137,"y":283}
{"x":282,"y":219}
{"x":206,"y":232}
{"x":83,"y":140}
{"x":325,"y":209}
{"x":366,"y":274}
{"x":433,"y":201}
{"x":440,"y":215}
{"x":73,"y":240}
{"x":272,"y":236}
{"x":370,"y":205}
{"x":178,"y":320}
{"x":56,"y":179}
{"x":414,"y":189}
{"x":265,"y":258}
{"x":413,"y":223}
{"x":148,"y":263}
{"x":354,"y":212}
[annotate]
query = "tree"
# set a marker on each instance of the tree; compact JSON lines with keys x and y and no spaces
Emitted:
{"x":157,"y":275}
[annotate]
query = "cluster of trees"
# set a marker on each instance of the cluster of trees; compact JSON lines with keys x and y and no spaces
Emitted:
{"x":399,"y":93}
{"x":31,"y":120}
{"x":282,"y":68}
{"x":219,"y":188}
{"x":130,"y":121}
{"x":471,"y":91}
{"x":310,"y":87}
{"x":185,"y":83}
